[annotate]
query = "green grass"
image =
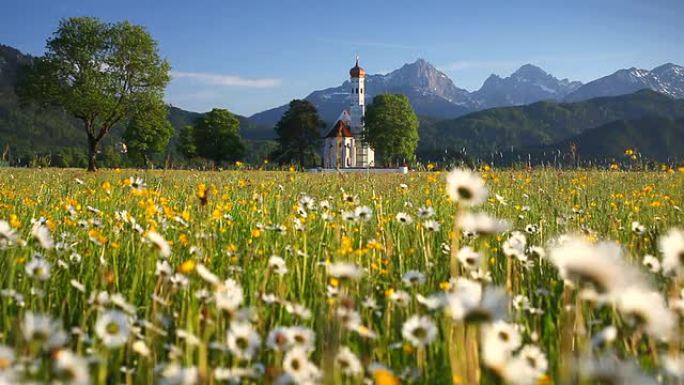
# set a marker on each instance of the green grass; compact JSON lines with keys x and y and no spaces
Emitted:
{"x":226,"y":236}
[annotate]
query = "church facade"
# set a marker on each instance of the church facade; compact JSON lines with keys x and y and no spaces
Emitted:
{"x":343,"y":146}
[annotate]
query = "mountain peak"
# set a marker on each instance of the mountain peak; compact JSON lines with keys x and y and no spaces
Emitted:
{"x":529,"y":70}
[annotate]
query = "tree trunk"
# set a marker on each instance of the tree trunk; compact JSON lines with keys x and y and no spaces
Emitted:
{"x":92,"y":154}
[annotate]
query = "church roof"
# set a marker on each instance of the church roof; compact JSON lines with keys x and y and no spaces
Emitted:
{"x":340,"y":129}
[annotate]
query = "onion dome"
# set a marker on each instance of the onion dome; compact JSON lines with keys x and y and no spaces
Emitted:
{"x":356,"y":71}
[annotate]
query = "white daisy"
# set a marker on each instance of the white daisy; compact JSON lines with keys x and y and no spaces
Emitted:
{"x":277,"y":265}
{"x":652,"y":263}
{"x":159,"y":243}
{"x":431,"y":225}
{"x":420,"y":331}
{"x":413,"y":278}
{"x":481,"y":223}
{"x":344,"y":270}
{"x":466,"y":187}
{"x":404,"y":218}
{"x":672,"y":247}
{"x":113,"y":328}
{"x":469,"y":258}
{"x":42,"y":234}
{"x":243,"y":340}
{"x":647,"y":310}
{"x":38,"y":268}
{"x":348,"y":363}
{"x":7,"y":233}
{"x":43,"y":329}
{"x":363,"y":213}
{"x":229,"y":295}
{"x":71,"y":368}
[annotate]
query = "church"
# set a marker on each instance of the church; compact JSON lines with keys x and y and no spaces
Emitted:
{"x":343,"y":146}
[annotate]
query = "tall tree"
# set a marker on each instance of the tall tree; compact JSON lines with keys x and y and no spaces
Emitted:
{"x":299,"y":136}
{"x":98,"y":72}
{"x":186,"y":142}
{"x":391,"y":128}
{"x":148,"y":131}
{"x":216,"y":136}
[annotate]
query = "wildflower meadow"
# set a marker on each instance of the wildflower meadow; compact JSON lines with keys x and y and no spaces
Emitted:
{"x":258,"y":277}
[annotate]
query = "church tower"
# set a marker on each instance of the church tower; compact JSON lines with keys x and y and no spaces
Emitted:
{"x":365,"y":156}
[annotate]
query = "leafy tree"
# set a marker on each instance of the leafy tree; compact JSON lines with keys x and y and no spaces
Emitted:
{"x":392,"y":128}
{"x":186,"y":142}
{"x":216,"y":136}
{"x":98,"y":72}
{"x":149,"y":131}
{"x":299,"y":134}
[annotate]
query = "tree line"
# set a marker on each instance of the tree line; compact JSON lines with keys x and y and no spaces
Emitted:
{"x":109,"y":75}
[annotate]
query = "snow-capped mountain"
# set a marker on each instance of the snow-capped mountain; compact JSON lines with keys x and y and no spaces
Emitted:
{"x":528,"y":84}
{"x":667,"y":79}
{"x":431,"y":92}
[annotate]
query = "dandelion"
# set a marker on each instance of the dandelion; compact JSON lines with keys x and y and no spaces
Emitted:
{"x":38,"y":268}
{"x":348,"y":363}
{"x":243,"y":341}
{"x":672,"y":247}
{"x":113,"y":328}
{"x":466,"y":187}
{"x":420,"y":331}
{"x":159,"y":243}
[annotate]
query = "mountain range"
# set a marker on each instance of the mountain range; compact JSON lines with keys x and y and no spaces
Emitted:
{"x":433,"y":94}
{"x":528,"y":112}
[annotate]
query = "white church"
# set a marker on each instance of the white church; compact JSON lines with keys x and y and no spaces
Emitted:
{"x":343,"y":147}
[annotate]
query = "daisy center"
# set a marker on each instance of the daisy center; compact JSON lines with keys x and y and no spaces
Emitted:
{"x":464,"y":193}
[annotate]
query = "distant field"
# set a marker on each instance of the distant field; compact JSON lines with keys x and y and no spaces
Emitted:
{"x":359,"y":257}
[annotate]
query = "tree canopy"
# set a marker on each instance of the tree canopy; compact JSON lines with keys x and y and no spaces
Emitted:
{"x":391,"y":128}
{"x":299,"y":137}
{"x":216,"y":137}
{"x":148,"y":131}
{"x":99,"y":73}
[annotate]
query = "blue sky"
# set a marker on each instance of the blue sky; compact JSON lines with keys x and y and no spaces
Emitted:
{"x":251,"y":55}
